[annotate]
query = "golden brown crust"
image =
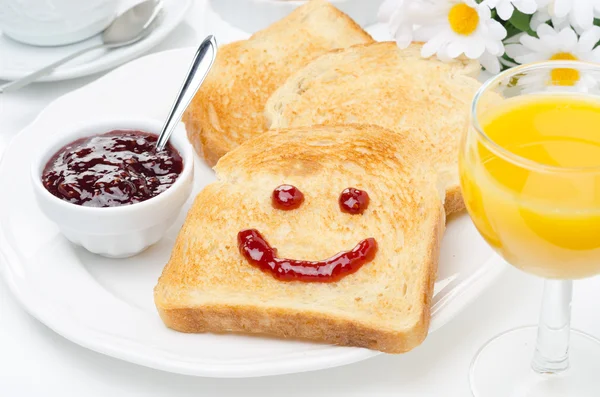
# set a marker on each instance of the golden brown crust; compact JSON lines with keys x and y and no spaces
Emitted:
{"x":287,"y":324}
{"x":203,"y":137}
{"x":429,"y":282}
{"x":454,"y":202}
{"x":228,"y":108}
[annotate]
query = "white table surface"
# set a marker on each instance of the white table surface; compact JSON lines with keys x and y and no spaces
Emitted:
{"x":34,"y":361}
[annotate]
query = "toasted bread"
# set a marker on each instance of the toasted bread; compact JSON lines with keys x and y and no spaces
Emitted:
{"x":208,"y":286}
{"x":228,"y":108}
{"x":397,"y":89}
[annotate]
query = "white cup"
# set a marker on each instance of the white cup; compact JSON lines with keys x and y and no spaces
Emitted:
{"x":55,"y":22}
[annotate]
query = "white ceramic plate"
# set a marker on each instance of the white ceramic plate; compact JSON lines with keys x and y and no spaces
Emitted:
{"x":18,"y":60}
{"x":107,"y":305}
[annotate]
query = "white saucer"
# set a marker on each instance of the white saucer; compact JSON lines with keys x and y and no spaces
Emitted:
{"x":107,"y":305}
{"x":18,"y":60}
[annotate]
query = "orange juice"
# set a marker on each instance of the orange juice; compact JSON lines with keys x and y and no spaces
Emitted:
{"x":535,"y":197}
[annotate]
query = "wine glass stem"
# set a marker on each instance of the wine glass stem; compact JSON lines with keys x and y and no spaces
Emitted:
{"x":552,"y":347}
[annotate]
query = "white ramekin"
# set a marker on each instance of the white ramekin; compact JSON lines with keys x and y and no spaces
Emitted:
{"x":115,"y":232}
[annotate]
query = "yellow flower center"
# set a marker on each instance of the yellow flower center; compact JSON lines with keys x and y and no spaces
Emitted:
{"x":564,"y":76}
{"x":463,"y":19}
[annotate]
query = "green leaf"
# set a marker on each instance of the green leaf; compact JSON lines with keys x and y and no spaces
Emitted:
{"x":511,"y":30}
{"x":505,"y":56}
{"x":521,"y":21}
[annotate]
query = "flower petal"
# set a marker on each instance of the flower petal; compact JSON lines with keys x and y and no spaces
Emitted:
{"x":545,"y":30}
{"x":490,"y":63}
{"x":497,"y":31}
{"x":484,"y":12}
{"x":560,"y":23}
{"x":515,"y":50}
{"x":567,"y":39}
{"x":475,"y":49}
{"x":404,"y":38}
{"x":532,"y":43}
{"x":543,"y":3}
{"x":491,"y":3}
{"x":425,"y":33}
{"x":443,"y":55}
{"x":588,"y":39}
{"x":538,"y":18}
{"x":526,"y":6}
{"x":562,"y":7}
{"x":505,"y":10}
{"x":432,"y":46}
{"x":582,"y":13}
{"x":387,"y":8}
{"x":531,"y":57}
{"x":516,"y":39}
{"x":397,"y":19}
{"x":455,"y":48}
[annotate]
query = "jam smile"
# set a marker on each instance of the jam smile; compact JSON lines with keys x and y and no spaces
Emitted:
{"x":259,"y":253}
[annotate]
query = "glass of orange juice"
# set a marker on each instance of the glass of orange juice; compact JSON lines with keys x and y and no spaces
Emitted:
{"x":530,"y":176}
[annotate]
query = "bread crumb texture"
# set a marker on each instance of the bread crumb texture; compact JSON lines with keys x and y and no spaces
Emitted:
{"x":228,"y":109}
{"x":207,"y":286}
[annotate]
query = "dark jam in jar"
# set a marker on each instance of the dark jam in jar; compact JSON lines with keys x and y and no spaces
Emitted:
{"x":259,"y":253}
{"x":354,"y":201}
{"x":287,"y":197}
{"x":112,"y":169}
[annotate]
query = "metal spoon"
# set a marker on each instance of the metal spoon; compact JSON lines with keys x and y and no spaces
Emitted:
{"x":127,"y":28}
{"x":201,"y":64}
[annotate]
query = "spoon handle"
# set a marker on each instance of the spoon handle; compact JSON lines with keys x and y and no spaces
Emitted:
{"x":30,"y":78}
{"x":203,"y":61}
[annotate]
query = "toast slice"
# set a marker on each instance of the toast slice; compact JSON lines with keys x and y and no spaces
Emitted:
{"x":228,"y":108}
{"x":208,"y":286}
{"x":397,"y":89}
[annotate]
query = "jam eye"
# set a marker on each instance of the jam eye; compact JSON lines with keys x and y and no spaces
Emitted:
{"x":287,"y":197}
{"x":354,"y":201}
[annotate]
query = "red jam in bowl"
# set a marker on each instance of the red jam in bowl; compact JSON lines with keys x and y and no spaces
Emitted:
{"x":112,"y":169}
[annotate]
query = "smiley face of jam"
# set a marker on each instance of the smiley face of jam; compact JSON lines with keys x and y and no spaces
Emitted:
{"x":257,"y":251}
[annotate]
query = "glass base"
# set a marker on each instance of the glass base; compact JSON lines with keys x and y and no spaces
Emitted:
{"x":502,"y":368}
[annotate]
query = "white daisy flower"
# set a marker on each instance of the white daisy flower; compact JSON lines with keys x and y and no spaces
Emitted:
{"x":463,"y":27}
{"x":577,"y":13}
{"x":505,"y":8}
{"x":558,"y":44}
{"x":450,"y":28}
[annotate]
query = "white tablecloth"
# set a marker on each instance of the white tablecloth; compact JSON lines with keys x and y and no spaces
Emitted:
{"x":34,"y":361}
